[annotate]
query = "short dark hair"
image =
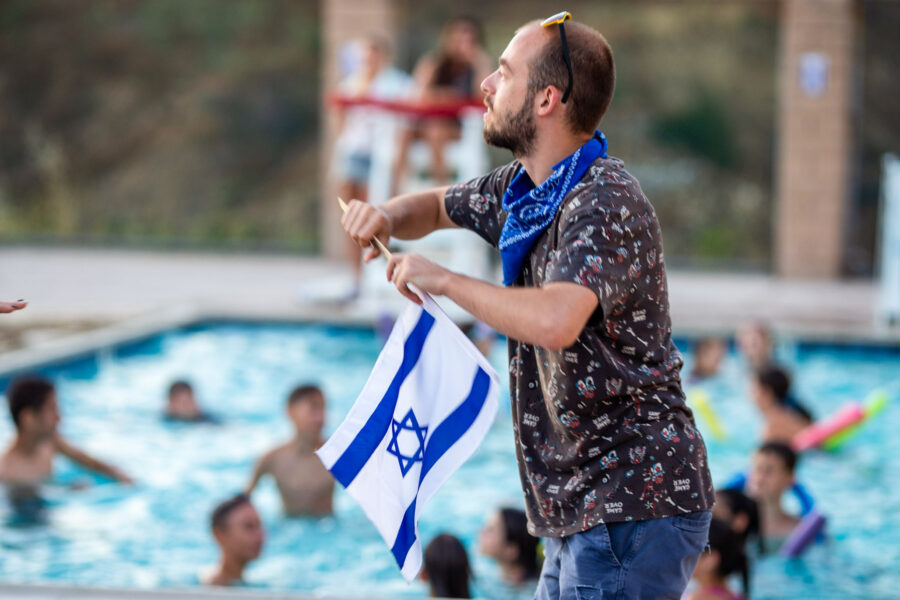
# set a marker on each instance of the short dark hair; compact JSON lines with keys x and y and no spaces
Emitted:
{"x":593,"y":68}
{"x":783,"y":451}
{"x":515,"y":528}
{"x":225,"y":508}
{"x":300,"y":392}
{"x":447,"y":566}
{"x":27,"y":392}
{"x":732,"y":553}
{"x":180,"y":386}
{"x":775,"y":379}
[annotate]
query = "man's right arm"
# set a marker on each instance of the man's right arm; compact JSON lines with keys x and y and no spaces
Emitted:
{"x":406,"y":217}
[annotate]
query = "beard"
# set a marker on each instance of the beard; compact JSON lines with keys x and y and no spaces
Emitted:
{"x":516,"y":132}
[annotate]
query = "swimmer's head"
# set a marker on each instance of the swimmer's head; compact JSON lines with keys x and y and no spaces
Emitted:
{"x":708,"y":354}
{"x":772,"y":471}
{"x":738,"y":510}
{"x":238,"y":529}
{"x":770,"y":386}
{"x":32,"y":405}
{"x":306,"y":409}
{"x":754,"y":340}
{"x":181,"y":400}
{"x":725,"y":556}
{"x":446,"y":567}
{"x":505,"y":538}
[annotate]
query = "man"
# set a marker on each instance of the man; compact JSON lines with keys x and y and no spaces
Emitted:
{"x":239,"y":533}
{"x":305,"y":485}
{"x":614,"y":471}
{"x":28,"y":461}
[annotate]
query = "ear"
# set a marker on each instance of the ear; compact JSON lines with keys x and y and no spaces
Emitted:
{"x":547,"y":100}
{"x":423,"y":575}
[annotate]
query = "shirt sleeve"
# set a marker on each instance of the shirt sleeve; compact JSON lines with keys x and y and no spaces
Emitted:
{"x":600,"y":246}
{"x":477,"y":205}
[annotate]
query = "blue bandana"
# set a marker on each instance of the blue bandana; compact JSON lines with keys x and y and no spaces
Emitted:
{"x":530,"y":209}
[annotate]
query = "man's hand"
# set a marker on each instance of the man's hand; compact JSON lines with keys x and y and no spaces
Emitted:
{"x":364,"y":222}
{"x":406,"y":269}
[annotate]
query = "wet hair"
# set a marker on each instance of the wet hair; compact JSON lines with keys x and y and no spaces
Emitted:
{"x":777,"y":380}
{"x":27,"y":393}
{"x":732,"y":555}
{"x":783,"y":451}
{"x":515,"y":529}
{"x":301,"y":392}
{"x":220,"y":513}
{"x":593,"y":73}
{"x":739,"y":503}
{"x":179,"y":386}
{"x":447,"y":567}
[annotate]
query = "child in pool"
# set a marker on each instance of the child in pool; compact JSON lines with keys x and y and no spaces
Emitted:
{"x":239,"y":533}
{"x":708,"y":355}
{"x":725,"y":557}
{"x":741,"y":512}
{"x":784,"y":417}
{"x":771,"y":475}
{"x":28,"y":462}
{"x":505,"y":538}
{"x":305,"y":484}
{"x":181,"y":405}
{"x":446,"y":568}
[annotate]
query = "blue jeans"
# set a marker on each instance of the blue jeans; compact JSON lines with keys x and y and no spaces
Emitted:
{"x":630,"y":560}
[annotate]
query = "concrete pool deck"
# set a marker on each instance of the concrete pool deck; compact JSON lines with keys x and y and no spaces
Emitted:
{"x":77,"y":289}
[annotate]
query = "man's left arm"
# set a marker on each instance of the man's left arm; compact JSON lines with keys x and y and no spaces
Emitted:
{"x":89,"y":462}
{"x":552,"y":316}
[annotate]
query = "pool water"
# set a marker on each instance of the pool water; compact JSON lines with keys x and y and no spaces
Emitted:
{"x":156,"y":533}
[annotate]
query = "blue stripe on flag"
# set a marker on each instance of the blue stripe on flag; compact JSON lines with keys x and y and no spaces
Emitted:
{"x":445,"y":435}
{"x":348,"y":466}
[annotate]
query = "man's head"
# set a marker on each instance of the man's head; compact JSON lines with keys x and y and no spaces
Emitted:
{"x":524,"y":95}
{"x":772,"y":471}
{"x":238,"y":529}
{"x":181,"y":399}
{"x":306,"y":409}
{"x":32,"y":405}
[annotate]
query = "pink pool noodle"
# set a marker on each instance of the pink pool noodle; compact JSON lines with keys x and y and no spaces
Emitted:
{"x":803,"y":535}
{"x":817,"y":433}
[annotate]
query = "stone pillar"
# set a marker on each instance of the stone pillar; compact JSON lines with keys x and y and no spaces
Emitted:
{"x":817,"y":71}
{"x":343,"y":21}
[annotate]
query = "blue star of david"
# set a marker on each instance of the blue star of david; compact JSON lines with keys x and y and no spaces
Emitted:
{"x":409,"y":423}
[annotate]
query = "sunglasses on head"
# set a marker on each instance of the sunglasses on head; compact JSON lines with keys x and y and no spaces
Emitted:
{"x":560,"y":19}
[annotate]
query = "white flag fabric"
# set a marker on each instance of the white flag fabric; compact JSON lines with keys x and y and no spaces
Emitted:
{"x":428,"y":403}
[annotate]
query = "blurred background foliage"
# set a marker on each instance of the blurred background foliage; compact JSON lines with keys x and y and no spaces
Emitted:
{"x":165,"y":122}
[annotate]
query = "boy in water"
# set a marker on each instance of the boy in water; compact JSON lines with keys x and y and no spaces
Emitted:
{"x":181,"y":405}
{"x":305,"y":484}
{"x":239,"y":533}
{"x":28,"y":461}
{"x":771,"y":475}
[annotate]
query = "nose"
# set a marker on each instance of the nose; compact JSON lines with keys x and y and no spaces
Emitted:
{"x":487,"y":86}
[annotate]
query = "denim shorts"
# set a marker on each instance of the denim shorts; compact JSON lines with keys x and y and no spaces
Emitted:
{"x":635,"y":559}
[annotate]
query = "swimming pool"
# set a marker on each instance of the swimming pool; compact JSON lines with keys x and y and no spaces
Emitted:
{"x":155,"y":534}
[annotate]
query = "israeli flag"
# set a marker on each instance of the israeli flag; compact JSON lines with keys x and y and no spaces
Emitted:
{"x":428,"y":403}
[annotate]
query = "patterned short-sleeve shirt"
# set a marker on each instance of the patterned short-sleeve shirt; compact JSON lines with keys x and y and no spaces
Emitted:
{"x":601,"y":428}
